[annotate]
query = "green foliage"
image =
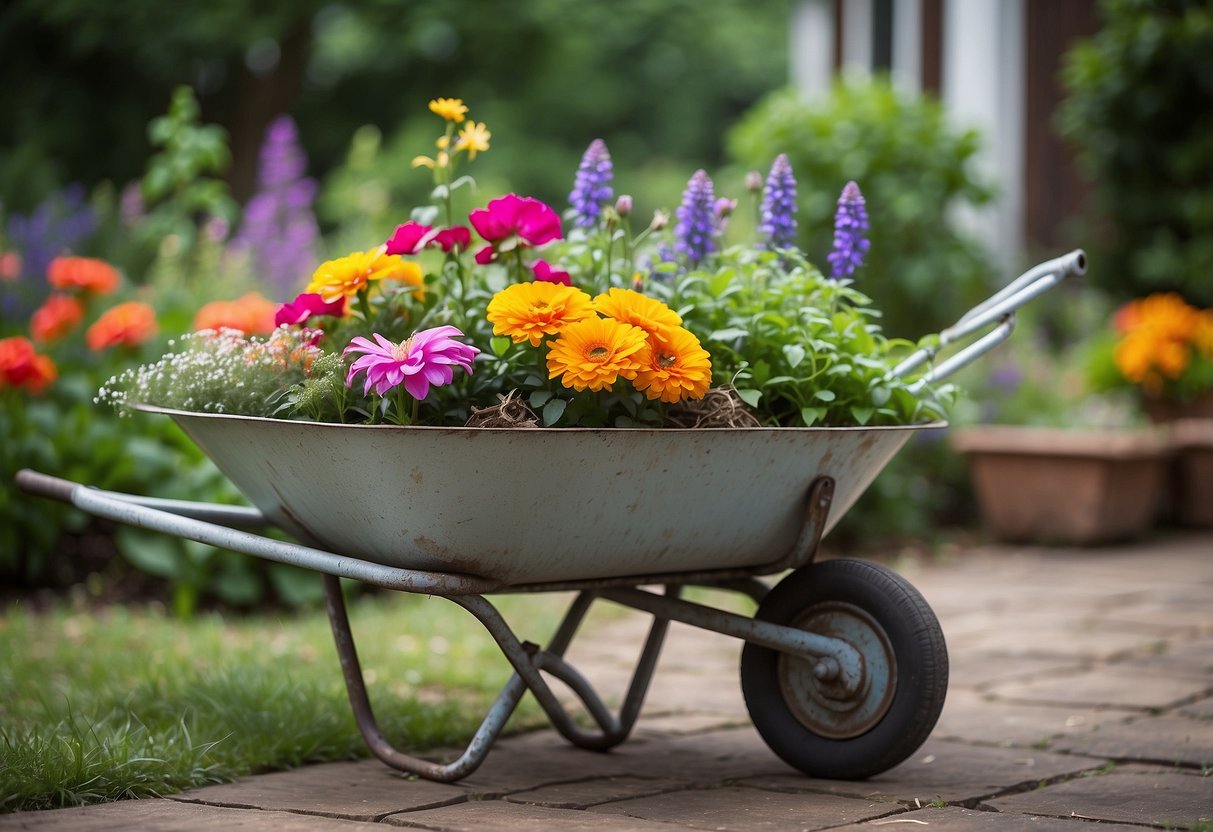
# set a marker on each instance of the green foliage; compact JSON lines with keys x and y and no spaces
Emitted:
{"x":130,"y":703}
{"x":913,"y":169}
{"x":1139,"y":107}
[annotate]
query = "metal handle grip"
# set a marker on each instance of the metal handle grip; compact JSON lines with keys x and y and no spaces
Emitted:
{"x":44,"y":485}
{"x":998,"y":310}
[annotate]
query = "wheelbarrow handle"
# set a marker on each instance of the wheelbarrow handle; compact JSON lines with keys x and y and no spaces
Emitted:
{"x":44,"y":485}
{"x":998,"y":310}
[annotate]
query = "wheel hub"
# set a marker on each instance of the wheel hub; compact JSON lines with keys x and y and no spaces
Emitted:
{"x":814,"y":690}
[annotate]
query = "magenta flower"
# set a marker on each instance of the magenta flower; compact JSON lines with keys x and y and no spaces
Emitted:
{"x":523,"y":220}
{"x":412,"y":237}
{"x":546,"y":274}
{"x":305,"y":306}
{"x":428,"y":357}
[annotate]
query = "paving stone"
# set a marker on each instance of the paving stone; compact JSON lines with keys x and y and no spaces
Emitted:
{"x":583,"y":793}
{"x":1157,"y":739}
{"x":1199,"y":710}
{"x":363,"y":790}
{"x":957,"y":819}
{"x":974,"y":717}
{"x":680,"y":724}
{"x":1107,"y":686}
{"x":539,"y":759}
{"x":171,"y":816}
{"x":736,"y":808}
{"x":977,"y":669}
{"x":703,"y":759}
{"x":943,"y":770}
{"x":500,"y":816}
{"x":1129,"y":794}
{"x":1052,"y":636}
{"x":1177,"y":658}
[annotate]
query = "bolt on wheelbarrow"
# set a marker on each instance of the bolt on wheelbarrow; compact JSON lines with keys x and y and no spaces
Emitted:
{"x":844,"y":669}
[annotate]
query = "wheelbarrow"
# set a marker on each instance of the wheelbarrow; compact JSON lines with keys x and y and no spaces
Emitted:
{"x":844,"y":669}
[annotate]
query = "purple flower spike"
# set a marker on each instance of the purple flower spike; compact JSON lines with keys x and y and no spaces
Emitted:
{"x":696,"y":220}
{"x":778,"y":225}
{"x":279,"y":230}
{"x":850,"y":226}
{"x":592,"y":187}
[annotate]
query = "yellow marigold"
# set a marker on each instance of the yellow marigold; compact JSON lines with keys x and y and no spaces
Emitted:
{"x":674,"y":369}
{"x":593,"y":353}
{"x":347,"y":276}
{"x":473,"y":138}
{"x":451,"y":109}
{"x":650,"y":314}
{"x":529,"y":311}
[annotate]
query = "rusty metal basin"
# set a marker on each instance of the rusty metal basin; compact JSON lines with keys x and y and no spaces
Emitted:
{"x":537,"y":505}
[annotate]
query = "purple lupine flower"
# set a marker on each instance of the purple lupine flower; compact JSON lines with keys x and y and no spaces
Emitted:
{"x":778,"y":212}
{"x":279,"y":229}
{"x":850,"y":225}
{"x":57,"y":225}
{"x":131,"y":209}
{"x":592,"y":187}
{"x":696,"y":220}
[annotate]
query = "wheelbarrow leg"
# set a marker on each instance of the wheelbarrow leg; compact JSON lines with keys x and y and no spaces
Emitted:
{"x":462,"y":766}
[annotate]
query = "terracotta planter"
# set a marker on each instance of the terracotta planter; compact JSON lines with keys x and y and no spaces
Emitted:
{"x":1164,"y":411}
{"x":1063,"y":486}
{"x":1192,"y":477}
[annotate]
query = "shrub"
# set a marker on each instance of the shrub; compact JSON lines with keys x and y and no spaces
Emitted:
{"x":913,"y":168}
{"x":1140,"y":110}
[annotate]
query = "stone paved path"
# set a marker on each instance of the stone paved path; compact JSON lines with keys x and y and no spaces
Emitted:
{"x":1081,"y":691}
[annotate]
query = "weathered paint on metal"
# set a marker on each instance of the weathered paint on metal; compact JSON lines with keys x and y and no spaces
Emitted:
{"x":543,"y":505}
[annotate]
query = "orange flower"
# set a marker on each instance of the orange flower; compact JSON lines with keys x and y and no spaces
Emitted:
{"x":593,"y":353}
{"x":21,"y":366}
{"x":529,"y":311}
{"x":129,"y":323}
{"x":10,"y":265}
{"x":1161,"y":335}
{"x":674,"y":369}
{"x":347,"y":276}
{"x":629,"y":307}
{"x":251,"y":314}
{"x":83,"y":273}
{"x":55,"y":318}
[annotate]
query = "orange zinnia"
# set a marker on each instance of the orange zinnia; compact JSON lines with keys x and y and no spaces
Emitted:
{"x":529,"y":311}
{"x":21,"y":366}
{"x":55,"y":318}
{"x":674,"y":369}
{"x":83,"y":273}
{"x":629,"y":307}
{"x":129,"y":323}
{"x":593,"y":353}
{"x":349,"y":275}
{"x":251,"y":314}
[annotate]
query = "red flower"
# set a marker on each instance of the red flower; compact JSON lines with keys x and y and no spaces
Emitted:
{"x":55,"y":318}
{"x":83,"y":273}
{"x":21,"y":366}
{"x":525,"y":218}
{"x":544,"y":272}
{"x":308,"y":305}
{"x":129,"y":323}
{"x":411,"y":237}
{"x":252,"y":314}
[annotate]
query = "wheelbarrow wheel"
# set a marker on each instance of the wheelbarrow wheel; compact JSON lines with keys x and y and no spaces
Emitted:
{"x":805,"y":712}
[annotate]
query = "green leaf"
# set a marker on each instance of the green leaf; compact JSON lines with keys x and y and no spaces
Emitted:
{"x":749,"y":396}
{"x":540,"y":397}
{"x":552,"y":411}
{"x":154,"y":554}
{"x":824,"y":395}
{"x":500,"y":345}
{"x":810,"y":415}
{"x":794,"y":353}
{"x":728,"y":334}
{"x":862,"y":414}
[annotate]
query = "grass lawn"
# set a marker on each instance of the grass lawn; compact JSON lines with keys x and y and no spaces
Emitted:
{"x":123,"y":702}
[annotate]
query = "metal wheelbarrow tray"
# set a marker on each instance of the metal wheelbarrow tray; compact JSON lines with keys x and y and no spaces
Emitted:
{"x":844,"y":667}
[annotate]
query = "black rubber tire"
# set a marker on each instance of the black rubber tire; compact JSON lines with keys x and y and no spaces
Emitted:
{"x":919,"y":654}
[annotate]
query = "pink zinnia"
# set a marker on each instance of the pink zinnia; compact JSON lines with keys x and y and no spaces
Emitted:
{"x":411,"y":237}
{"x":307,"y":305}
{"x":526,"y":218}
{"x":546,"y":274}
{"x":428,"y":357}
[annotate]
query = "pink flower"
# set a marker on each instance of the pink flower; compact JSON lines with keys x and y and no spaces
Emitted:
{"x":544,"y":272}
{"x":305,"y":306}
{"x":528,"y":219}
{"x":428,"y":357}
{"x":412,"y":237}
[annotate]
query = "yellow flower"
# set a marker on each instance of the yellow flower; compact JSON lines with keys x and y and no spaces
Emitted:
{"x":473,"y":138}
{"x":529,"y":311}
{"x":674,"y":369}
{"x":441,"y":161}
{"x":346,"y":276}
{"x":629,"y":307}
{"x":593,"y":353}
{"x":451,"y":109}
